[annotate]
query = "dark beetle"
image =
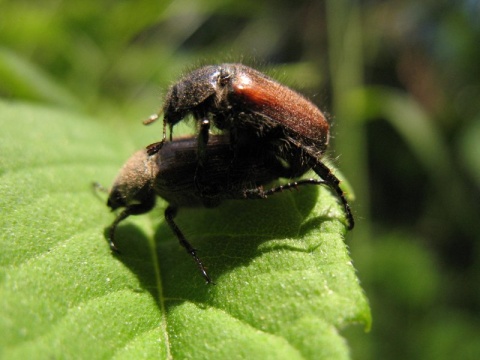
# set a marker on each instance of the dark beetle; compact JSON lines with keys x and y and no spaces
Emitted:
{"x":253,"y":108}
{"x":170,"y":173}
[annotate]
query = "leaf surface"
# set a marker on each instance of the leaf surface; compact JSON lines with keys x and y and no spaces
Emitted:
{"x":285,"y":285}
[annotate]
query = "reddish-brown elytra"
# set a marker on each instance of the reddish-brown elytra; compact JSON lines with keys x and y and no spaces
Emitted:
{"x":252,"y":108}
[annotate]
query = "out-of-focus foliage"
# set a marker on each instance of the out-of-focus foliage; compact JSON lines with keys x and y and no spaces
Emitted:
{"x":401,"y":80}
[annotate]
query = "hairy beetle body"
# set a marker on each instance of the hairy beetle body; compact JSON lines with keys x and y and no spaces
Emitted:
{"x":252,"y":108}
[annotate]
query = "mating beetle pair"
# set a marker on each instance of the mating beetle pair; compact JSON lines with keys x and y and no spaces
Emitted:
{"x":252,"y":107}
{"x":170,"y":174}
{"x":270,"y":131}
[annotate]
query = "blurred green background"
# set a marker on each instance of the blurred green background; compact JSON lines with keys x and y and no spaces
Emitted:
{"x":399,"y":79}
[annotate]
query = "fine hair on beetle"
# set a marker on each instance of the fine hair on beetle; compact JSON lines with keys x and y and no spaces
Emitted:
{"x":171,"y":172}
{"x":251,"y":108}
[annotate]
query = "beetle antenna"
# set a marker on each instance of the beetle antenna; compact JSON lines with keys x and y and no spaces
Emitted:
{"x":151,"y":119}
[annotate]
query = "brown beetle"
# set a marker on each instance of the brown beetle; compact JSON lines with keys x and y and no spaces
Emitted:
{"x":171,"y":172}
{"x":252,"y":107}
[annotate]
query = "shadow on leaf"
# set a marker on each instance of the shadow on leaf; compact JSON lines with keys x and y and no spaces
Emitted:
{"x":227,"y":238}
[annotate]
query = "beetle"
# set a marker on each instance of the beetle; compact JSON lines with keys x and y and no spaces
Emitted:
{"x":252,"y":107}
{"x":170,"y":174}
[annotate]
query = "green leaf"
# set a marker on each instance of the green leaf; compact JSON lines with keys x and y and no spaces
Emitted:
{"x":285,"y":285}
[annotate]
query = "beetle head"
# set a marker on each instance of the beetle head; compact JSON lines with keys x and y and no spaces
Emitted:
{"x":133,"y":183}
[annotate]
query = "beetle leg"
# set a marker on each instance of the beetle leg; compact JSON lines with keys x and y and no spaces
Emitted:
{"x":203,"y":140}
{"x":259,"y":193}
{"x":295,"y":185}
{"x":135,"y":209}
{"x":154,"y":148}
{"x":256,"y":193}
{"x":170,"y":214}
{"x":202,"y":143}
{"x":111,"y":233}
{"x":331,"y":180}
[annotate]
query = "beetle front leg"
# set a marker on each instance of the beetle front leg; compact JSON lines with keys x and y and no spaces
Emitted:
{"x":135,"y":209}
{"x":111,"y":233}
{"x":154,"y":148}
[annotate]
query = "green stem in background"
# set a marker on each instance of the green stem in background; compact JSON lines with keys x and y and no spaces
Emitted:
{"x":346,"y":69}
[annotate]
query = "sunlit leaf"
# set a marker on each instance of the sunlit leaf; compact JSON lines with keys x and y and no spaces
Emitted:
{"x":285,"y":285}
